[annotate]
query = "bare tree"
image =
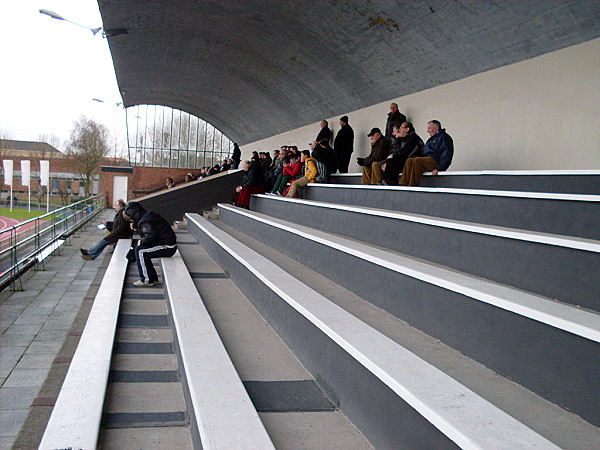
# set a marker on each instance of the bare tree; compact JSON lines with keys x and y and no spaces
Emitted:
{"x":88,"y":146}
{"x":51,"y":139}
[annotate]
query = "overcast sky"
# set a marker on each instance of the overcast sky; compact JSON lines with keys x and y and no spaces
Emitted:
{"x":50,"y":70}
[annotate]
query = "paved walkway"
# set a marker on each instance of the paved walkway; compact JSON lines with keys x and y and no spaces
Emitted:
{"x":40,"y":328}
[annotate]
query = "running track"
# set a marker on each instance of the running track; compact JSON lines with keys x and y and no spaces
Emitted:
{"x":7,"y":222}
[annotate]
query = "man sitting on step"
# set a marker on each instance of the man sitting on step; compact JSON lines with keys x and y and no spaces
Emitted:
{"x":380,"y":149}
{"x":438,"y":152}
{"x":119,"y":229}
{"x":158,"y":240}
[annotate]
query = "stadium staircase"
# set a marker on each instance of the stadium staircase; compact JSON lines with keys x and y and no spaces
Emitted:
{"x":435,"y":316}
{"x":460,"y":314}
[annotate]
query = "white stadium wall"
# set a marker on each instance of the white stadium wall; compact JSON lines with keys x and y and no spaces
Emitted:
{"x":543,"y":113}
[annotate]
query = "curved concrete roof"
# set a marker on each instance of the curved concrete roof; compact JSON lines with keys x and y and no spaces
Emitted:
{"x":258,"y":68}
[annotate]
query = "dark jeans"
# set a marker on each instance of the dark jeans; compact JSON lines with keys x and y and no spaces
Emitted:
{"x":343,"y":161}
{"x":143,"y":258}
{"x":393,"y":167}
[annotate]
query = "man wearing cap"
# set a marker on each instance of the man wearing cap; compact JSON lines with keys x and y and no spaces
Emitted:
{"x":344,"y":144}
{"x":380,"y":149}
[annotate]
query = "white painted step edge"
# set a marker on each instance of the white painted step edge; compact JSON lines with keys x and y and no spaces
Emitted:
{"x":77,"y":413}
{"x":225,"y":415}
{"x":483,"y":192}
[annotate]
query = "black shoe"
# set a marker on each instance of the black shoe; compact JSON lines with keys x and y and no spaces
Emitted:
{"x":83,"y":251}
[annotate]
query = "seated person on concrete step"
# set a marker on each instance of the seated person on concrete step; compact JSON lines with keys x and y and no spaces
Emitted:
{"x":437,"y":156}
{"x":276,"y":169}
{"x":310,"y":174}
{"x":408,"y":144}
{"x":254,"y":182}
{"x":380,"y":149}
{"x":292,"y":169}
{"x":119,"y":229}
{"x":323,"y":152}
{"x":157,"y":240}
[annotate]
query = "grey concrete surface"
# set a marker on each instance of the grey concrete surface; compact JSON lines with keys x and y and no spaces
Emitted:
{"x":35,"y":324}
{"x":556,"y":424}
{"x":158,"y":438}
{"x":240,"y":65}
{"x":258,"y":354}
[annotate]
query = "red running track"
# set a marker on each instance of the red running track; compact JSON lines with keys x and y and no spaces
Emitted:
{"x":7,"y":222}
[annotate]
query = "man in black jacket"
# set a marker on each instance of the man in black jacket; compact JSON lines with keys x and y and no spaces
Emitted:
{"x":410,"y":145}
{"x":119,"y":229}
{"x":236,"y":156}
{"x":254,"y":182}
{"x":344,"y":144}
{"x":157,"y":240}
{"x":324,"y":133}
{"x":395,"y":117}
{"x":322,"y":152}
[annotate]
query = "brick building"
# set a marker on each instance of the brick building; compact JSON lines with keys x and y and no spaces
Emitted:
{"x":114,"y":176}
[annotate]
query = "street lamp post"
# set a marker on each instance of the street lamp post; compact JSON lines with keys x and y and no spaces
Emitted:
{"x":59,"y":17}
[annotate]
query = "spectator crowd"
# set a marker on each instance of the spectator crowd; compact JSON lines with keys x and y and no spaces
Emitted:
{"x":398,"y":156}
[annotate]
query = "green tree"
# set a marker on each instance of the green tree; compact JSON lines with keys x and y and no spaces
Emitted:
{"x":88,"y":146}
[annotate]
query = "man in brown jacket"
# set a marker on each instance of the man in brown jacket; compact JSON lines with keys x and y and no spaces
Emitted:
{"x":120,"y":230}
{"x":380,"y":149}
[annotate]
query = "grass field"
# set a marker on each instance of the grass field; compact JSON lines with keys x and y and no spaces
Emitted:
{"x":20,"y":213}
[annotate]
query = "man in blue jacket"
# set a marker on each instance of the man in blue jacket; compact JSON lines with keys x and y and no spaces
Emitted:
{"x":438,"y":152}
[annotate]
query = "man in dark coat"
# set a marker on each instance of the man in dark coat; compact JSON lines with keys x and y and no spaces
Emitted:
{"x":119,"y":229}
{"x":322,"y":152}
{"x":157,"y":240}
{"x":236,"y":156}
{"x":395,"y":117}
{"x":324,"y":133}
{"x":344,"y":144}
{"x":254,"y":182}
{"x":380,"y":149}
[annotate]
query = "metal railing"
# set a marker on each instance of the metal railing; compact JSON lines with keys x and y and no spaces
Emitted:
{"x":31,"y":241}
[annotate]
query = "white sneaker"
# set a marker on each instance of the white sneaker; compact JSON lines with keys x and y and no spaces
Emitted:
{"x":142,"y":284}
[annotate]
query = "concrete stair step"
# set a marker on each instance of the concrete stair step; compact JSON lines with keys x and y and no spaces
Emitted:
{"x":559,"y":181}
{"x":562,"y":427}
{"x":394,"y":397}
{"x":293,"y":408}
{"x":543,"y":212}
{"x":565,"y":268}
{"x":548,"y":347}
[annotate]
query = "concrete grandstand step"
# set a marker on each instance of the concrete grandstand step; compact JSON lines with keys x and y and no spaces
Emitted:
{"x":558,"y":181}
{"x":222,"y":411}
{"x":278,"y":384}
{"x":574,"y":215}
{"x":561,"y":427}
{"x":86,"y":380}
{"x":554,"y":266}
{"x":549,"y":347}
{"x":395,"y":397}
